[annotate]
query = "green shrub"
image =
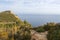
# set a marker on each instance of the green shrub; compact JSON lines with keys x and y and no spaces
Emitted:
{"x":23,"y":34}
{"x":54,"y":33}
{"x":40,"y":29}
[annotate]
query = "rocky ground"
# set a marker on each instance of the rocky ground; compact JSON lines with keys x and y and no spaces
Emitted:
{"x":38,"y":36}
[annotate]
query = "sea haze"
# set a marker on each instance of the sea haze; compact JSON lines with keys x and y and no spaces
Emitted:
{"x":37,"y":19}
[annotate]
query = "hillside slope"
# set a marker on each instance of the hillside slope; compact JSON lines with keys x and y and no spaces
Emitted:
{"x":8,"y":16}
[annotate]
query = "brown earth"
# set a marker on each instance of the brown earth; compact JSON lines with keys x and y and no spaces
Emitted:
{"x":38,"y":36}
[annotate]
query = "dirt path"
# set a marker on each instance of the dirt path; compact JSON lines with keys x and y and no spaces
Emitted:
{"x":38,"y":36}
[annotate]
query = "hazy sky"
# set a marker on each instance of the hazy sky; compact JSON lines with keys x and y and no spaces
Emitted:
{"x":31,"y":6}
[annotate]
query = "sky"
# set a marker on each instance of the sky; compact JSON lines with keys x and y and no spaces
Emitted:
{"x":31,"y":6}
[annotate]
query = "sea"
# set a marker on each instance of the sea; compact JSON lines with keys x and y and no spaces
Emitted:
{"x":39,"y":19}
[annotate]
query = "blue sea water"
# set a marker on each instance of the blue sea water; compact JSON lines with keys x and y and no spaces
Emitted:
{"x":37,"y":19}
